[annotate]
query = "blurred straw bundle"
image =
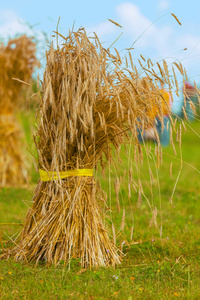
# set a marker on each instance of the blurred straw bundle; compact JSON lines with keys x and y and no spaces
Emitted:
{"x":17,"y":62}
{"x":89,"y":106}
{"x":11,"y":158}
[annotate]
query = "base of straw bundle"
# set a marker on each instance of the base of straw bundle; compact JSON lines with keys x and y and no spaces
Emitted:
{"x":12,"y":163}
{"x":65,"y":223}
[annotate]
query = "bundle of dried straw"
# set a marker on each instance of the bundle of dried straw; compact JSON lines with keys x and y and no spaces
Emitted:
{"x":17,"y":60}
{"x":89,"y":105}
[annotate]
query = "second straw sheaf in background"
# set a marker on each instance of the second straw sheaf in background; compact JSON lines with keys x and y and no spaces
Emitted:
{"x":17,"y":63}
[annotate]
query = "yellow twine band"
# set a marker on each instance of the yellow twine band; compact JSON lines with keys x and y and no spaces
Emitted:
{"x":50,"y":175}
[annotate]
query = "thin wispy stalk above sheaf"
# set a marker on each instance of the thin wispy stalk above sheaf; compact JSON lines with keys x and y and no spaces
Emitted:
{"x":117,"y":24}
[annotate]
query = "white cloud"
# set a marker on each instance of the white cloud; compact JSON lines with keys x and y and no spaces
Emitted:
{"x":135,"y":24}
{"x":142,"y":28}
{"x":132,"y":19}
{"x":163,"y":4}
{"x":11,"y":25}
{"x":103,"y":29}
{"x":106,"y":31}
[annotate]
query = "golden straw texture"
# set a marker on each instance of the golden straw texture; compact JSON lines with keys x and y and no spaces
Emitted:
{"x":12,"y":168}
{"x":90,"y":105}
{"x":17,"y":60}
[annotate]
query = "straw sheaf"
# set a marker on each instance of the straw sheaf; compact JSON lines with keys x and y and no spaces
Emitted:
{"x":89,"y":106}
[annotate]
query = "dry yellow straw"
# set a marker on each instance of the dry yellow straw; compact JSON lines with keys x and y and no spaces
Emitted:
{"x":17,"y":63}
{"x":88,"y":107}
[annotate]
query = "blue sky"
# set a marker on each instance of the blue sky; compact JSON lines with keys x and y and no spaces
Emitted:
{"x":164,"y":39}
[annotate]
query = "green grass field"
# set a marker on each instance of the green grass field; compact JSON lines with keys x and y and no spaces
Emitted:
{"x":155,"y":266}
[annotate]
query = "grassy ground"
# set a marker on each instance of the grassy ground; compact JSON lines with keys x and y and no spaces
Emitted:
{"x":157,"y":265}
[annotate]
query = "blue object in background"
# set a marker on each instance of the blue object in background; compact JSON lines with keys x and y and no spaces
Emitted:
{"x":163,"y":133}
{"x":178,"y":107}
{"x":191,"y":95}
